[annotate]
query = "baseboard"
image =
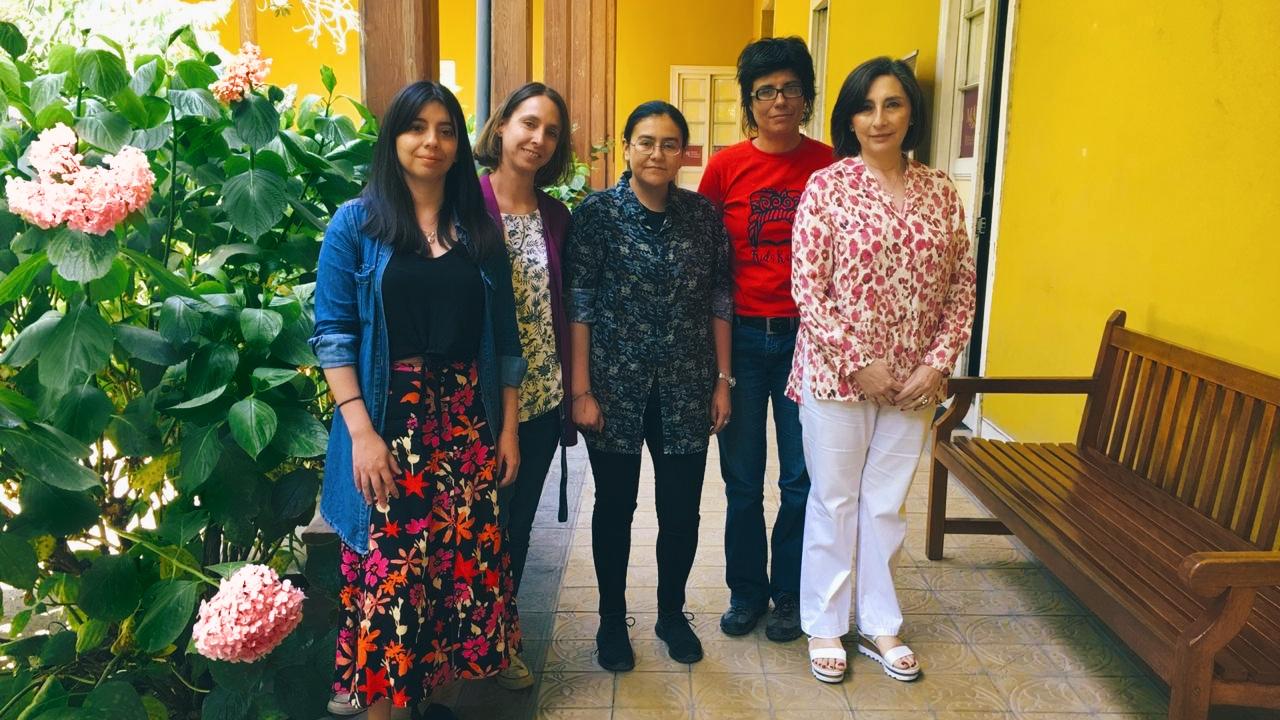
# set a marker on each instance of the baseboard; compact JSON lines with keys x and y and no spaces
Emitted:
{"x":991,"y":431}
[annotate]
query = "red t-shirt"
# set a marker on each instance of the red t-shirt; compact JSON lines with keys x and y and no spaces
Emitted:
{"x":757,"y":194}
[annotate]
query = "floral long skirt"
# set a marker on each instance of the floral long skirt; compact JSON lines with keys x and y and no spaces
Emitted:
{"x":431,"y":600}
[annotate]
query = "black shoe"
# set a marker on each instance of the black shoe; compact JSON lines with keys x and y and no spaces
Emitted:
{"x":784,"y":622}
{"x":613,"y":646}
{"x":739,"y":620}
{"x":682,"y":645}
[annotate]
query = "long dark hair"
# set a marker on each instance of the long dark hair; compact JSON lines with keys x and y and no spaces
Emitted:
{"x":388,"y":203}
{"x":654,"y":108}
{"x":489,"y":142}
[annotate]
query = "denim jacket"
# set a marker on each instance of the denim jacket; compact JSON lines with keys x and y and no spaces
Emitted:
{"x":351,"y":330}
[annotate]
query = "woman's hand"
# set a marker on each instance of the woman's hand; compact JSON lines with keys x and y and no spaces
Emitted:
{"x":877,"y":383}
{"x":508,"y":457}
{"x":374,"y":467}
{"x":586,"y":413}
{"x":721,"y":406}
{"x":920,"y":390}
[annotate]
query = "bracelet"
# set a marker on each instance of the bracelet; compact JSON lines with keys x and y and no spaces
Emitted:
{"x":350,"y":399}
{"x":583,"y":394}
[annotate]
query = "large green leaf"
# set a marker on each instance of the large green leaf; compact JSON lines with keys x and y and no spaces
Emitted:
{"x":10,"y":78}
{"x":101,"y":71}
{"x":291,"y":345}
{"x":110,"y":588}
{"x":179,"y":321}
{"x":199,"y":102}
{"x":116,"y":700}
{"x":15,"y":284}
{"x":144,"y":78}
{"x":222,"y":253}
{"x":82,"y":257}
{"x":199,"y":400}
{"x":253,"y":424}
{"x":167,"y":281}
{"x":254,"y":201}
{"x":146,"y":344}
{"x":224,"y":704}
{"x":201,"y":448}
{"x":293,"y":497}
{"x":48,"y":510}
{"x":43,"y":457}
{"x":196,"y":74}
{"x":300,"y":434}
{"x":90,"y":634}
{"x":15,"y":409}
{"x":11,"y":40}
{"x":52,"y":115}
{"x":112,"y":285}
{"x":79,"y":346}
{"x":33,"y":340}
{"x":62,"y":58}
{"x":130,"y":105}
{"x":166,"y":609}
{"x":17,"y":562}
{"x":83,"y":413}
{"x":260,"y":326}
{"x":152,"y":138}
{"x":256,"y":120}
{"x":109,"y":131}
{"x":46,"y":90}
{"x":211,"y":367}
{"x":265,"y":378}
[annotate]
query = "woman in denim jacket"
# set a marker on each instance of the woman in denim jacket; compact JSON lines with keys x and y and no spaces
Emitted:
{"x":416,"y":333}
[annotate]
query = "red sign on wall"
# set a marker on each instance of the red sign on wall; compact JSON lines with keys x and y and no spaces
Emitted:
{"x":692,"y":156}
{"x":969,"y":122}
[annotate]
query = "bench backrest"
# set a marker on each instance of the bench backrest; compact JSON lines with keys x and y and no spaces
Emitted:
{"x":1202,"y":429}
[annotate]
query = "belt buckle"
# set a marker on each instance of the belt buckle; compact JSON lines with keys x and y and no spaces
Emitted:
{"x":783,"y":322}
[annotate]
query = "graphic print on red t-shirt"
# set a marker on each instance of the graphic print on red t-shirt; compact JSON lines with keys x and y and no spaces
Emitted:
{"x":770,"y":205}
{"x":757,"y":194}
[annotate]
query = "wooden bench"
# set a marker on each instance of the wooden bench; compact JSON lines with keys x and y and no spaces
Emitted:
{"x":1161,"y":518}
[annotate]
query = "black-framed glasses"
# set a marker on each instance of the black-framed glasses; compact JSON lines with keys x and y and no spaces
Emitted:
{"x":766,"y":93}
{"x":647,"y":146}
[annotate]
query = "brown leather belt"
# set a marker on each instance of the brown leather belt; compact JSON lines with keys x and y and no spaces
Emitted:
{"x":770,"y":325}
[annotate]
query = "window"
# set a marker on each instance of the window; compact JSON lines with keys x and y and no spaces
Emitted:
{"x":818,"y":48}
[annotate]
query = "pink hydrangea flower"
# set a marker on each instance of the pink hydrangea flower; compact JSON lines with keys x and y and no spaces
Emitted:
{"x":252,"y":612}
{"x":246,"y":71}
{"x":89,"y":199}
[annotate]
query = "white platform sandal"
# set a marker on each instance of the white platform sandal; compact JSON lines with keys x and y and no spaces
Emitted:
{"x":823,"y":674}
{"x":867,"y":646}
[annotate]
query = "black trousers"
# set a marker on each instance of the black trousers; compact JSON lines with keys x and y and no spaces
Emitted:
{"x":677,"y":495}
{"x":518,"y":502}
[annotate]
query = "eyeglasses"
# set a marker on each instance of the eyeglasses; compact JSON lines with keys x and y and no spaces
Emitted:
{"x":766,"y":93}
{"x":647,"y":146}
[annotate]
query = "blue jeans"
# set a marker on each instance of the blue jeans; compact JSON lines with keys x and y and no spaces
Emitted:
{"x":761,"y":363}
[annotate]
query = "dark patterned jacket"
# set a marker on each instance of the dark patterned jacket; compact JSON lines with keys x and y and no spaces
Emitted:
{"x":649,"y":298}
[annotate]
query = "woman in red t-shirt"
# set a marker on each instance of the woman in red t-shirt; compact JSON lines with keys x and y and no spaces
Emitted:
{"x":756,"y":186}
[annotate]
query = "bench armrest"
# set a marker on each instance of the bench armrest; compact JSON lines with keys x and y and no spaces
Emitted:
{"x":1022,"y":385}
{"x":1208,"y":574}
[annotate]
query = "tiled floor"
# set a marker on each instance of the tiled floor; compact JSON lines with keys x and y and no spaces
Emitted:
{"x":997,"y":636}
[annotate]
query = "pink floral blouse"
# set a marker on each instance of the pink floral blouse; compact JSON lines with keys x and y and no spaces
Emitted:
{"x":875,"y":283}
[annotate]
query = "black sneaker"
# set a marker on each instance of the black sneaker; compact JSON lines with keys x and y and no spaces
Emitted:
{"x":613,"y":646}
{"x":739,"y":620}
{"x":682,"y":645}
{"x":784,"y":622}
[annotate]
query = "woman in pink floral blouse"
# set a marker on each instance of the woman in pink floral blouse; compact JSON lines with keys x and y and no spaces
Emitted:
{"x":883,"y":276}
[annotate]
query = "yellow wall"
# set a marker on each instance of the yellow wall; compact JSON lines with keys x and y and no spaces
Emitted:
{"x":293,"y":60}
{"x":791,"y":17}
{"x":690,"y":32}
{"x":539,"y":44}
{"x":458,"y":43}
{"x":1141,"y":174}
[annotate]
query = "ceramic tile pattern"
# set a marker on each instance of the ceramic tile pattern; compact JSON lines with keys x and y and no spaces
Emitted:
{"x":997,"y":635}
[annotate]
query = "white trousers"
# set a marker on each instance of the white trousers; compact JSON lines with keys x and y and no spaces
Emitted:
{"x":860,"y":459}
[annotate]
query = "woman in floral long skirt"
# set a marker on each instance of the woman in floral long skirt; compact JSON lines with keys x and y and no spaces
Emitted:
{"x":416,"y":332}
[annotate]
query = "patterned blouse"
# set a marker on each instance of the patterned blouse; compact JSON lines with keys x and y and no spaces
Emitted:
{"x":873,"y":283}
{"x":649,"y":298}
{"x":542,"y":390}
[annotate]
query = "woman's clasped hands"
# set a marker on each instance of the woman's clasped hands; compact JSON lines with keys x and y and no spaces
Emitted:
{"x":920,"y":389}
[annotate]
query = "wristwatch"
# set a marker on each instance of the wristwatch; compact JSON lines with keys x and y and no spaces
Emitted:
{"x":727,"y":378}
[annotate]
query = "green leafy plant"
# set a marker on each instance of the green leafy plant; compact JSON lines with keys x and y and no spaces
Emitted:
{"x":160,"y":410}
{"x":578,"y":183}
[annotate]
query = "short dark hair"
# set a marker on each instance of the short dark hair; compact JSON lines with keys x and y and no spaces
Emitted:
{"x":768,"y":56}
{"x":654,"y":108}
{"x":389,"y":205}
{"x":489,"y":141}
{"x":853,"y":95}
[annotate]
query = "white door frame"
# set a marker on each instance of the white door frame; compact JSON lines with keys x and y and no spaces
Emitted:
{"x":943,"y":142}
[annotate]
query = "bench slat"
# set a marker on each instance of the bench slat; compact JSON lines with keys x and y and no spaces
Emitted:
{"x":1270,"y":522}
{"x":1243,"y":380}
{"x":1164,"y":390}
{"x":1124,"y":406}
{"x":1247,"y":418}
{"x":1208,"y":477}
{"x":1254,"y":475}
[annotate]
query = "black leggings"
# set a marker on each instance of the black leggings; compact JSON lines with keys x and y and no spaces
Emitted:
{"x":677,"y":494}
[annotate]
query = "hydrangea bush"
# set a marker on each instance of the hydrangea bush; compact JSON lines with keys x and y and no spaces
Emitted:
{"x":161,"y":416}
